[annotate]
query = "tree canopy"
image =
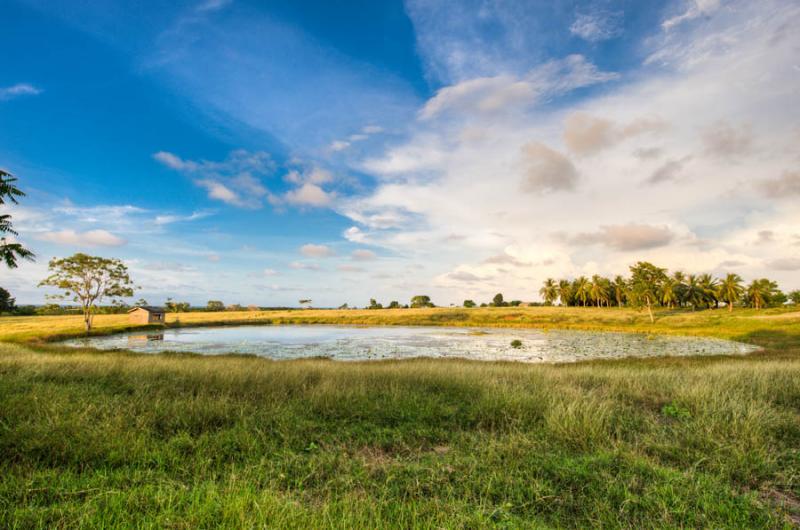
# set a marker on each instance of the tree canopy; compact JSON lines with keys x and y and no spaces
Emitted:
{"x":87,"y":280}
{"x":10,"y":250}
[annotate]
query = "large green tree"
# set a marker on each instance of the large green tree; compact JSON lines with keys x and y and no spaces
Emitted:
{"x":731,"y":290}
{"x":549,"y":291}
{"x":646,"y":280}
{"x":87,"y":280}
{"x":10,"y":251}
{"x":421,"y":300}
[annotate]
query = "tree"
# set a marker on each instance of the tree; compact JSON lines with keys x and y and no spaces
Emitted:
{"x":305,"y":302}
{"x":176,"y":307}
{"x":469,"y":303}
{"x":497,"y":301}
{"x":215,"y":305}
{"x":759,"y":292}
{"x":549,"y":291}
{"x":619,"y":287}
{"x":374,"y":305}
{"x":565,"y":292}
{"x":646,"y":279}
{"x":10,"y":251}
{"x":7,"y":303}
{"x":87,"y":280}
{"x":710,"y":289}
{"x":731,"y":290}
{"x":580,"y":289}
{"x":515,"y":303}
{"x":693,"y":292}
{"x":394,"y":304}
{"x":141,"y":302}
{"x":598,"y":290}
{"x":794,"y":296}
{"x":421,"y":300}
{"x":669,"y":292}
{"x":344,"y":306}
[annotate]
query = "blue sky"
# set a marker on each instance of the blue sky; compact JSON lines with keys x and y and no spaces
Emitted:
{"x":262,"y":152}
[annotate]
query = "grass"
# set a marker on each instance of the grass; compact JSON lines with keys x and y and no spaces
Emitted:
{"x":98,"y":440}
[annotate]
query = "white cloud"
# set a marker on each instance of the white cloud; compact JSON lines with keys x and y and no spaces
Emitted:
{"x":372,"y":129}
{"x":694,"y":9}
{"x":302,"y":265}
{"x":18,"y":90}
{"x":317,"y":251}
{"x":597,"y":26}
{"x":490,"y":95}
{"x":309,"y":195}
{"x":90,"y":238}
{"x":270,"y":272}
{"x":363,"y":254}
{"x":465,"y":166}
{"x":234,"y":181}
{"x":166,"y":219}
{"x":339,"y":145}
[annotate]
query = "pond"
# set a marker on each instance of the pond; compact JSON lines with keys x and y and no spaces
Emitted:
{"x":351,"y":343}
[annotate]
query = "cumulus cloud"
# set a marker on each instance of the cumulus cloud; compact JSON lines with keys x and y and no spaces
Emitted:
{"x":317,"y":251}
{"x":628,"y":237}
{"x":785,"y":186}
{"x":363,"y":254}
{"x":309,"y":195}
{"x":505,"y":259}
{"x":18,"y":90}
{"x":90,"y":238}
{"x":547,"y":170}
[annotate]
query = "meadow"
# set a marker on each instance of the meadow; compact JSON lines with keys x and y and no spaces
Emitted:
{"x":97,"y":439}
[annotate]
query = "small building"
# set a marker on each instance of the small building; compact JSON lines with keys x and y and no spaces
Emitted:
{"x":146,"y":315}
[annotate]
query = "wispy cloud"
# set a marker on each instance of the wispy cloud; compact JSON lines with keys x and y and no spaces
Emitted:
{"x":235,"y":180}
{"x":18,"y":90}
{"x":597,"y":26}
{"x":90,"y":238}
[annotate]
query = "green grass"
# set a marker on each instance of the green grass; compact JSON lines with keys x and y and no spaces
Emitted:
{"x":104,"y":440}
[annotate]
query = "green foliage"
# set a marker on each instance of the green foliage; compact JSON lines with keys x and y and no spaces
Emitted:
{"x":7,"y":302}
{"x":374,"y":305}
{"x":497,"y":301}
{"x":794,"y":296}
{"x":215,"y":305}
{"x":549,"y":291}
{"x":87,"y":280}
{"x":421,"y":300}
{"x":673,"y":410}
{"x":394,"y":304}
{"x":10,"y":251}
{"x":515,"y":303}
{"x":516,"y":343}
{"x":469,"y":303}
{"x":179,"y":307}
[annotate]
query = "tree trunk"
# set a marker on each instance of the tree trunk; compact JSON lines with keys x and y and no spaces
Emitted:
{"x":87,"y":321}
{"x":650,"y":311}
{"x":730,"y":307}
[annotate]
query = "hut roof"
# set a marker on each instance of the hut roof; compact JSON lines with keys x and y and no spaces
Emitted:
{"x":148,"y":308}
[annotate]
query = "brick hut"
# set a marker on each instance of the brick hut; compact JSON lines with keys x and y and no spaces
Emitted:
{"x":146,"y":315}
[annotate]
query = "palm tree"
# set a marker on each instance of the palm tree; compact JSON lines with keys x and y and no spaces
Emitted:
{"x":565,"y":292}
{"x":693,"y":291}
{"x":549,"y":291}
{"x":730,"y":290}
{"x":669,"y":292}
{"x":581,"y":289}
{"x":679,"y":277}
{"x":710,"y":287}
{"x":598,"y":290}
{"x":620,"y":289}
{"x":760,"y":292}
{"x":10,"y":251}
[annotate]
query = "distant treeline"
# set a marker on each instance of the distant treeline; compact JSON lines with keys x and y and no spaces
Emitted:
{"x":655,"y":286}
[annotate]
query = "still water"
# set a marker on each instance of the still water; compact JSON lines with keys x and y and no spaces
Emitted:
{"x":350,"y":343}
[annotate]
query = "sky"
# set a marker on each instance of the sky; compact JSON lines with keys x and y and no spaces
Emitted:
{"x":266,"y":152}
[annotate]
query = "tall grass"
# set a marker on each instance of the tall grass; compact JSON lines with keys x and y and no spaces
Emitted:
{"x":106,"y":440}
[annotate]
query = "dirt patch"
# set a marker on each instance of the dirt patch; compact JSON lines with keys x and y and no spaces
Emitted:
{"x":788,"y":503}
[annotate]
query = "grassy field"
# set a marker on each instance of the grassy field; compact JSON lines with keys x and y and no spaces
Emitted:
{"x":105,"y":440}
